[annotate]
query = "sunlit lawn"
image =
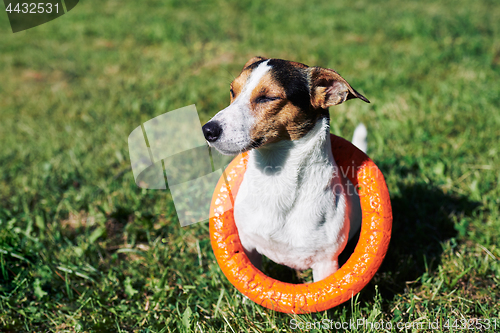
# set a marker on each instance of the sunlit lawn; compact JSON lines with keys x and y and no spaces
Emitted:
{"x":82,"y":248}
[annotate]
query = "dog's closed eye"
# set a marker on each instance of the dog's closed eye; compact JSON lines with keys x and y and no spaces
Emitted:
{"x":265,"y":99}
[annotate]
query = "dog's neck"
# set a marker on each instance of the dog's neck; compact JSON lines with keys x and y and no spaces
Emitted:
{"x":295,"y":157}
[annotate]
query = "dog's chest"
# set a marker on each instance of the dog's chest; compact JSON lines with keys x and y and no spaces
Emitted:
{"x":294,"y":216}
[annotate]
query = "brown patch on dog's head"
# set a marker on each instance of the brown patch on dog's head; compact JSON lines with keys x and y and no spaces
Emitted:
{"x":280,"y":105}
{"x":238,"y":83}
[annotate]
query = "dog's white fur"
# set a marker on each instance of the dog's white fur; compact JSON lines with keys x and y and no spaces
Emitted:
{"x":294,"y":205}
{"x":296,"y":213}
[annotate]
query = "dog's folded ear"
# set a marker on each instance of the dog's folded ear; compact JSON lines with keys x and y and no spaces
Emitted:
{"x":253,"y":61}
{"x":328,"y":88}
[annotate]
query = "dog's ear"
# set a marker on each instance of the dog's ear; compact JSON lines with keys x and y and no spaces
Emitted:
{"x":253,"y":61}
{"x":328,"y":88}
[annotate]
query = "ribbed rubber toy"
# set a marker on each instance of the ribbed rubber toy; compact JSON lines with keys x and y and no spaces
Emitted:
{"x":339,"y":287}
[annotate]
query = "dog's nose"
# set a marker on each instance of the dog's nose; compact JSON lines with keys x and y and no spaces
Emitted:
{"x":212,"y":131}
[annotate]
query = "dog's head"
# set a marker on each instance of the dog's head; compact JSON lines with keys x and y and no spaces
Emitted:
{"x":273,"y":100}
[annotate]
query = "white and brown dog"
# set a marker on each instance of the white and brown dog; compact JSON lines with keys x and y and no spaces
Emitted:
{"x":294,"y":204}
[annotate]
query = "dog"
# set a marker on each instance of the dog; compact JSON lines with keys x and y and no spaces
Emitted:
{"x":293,"y":205}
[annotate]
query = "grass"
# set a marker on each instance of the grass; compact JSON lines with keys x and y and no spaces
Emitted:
{"x":83,"y":249}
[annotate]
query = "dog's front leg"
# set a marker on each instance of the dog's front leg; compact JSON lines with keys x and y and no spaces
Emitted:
{"x":324,"y":269}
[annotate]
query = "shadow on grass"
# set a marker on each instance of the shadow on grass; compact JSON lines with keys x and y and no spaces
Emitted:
{"x":422,"y":220}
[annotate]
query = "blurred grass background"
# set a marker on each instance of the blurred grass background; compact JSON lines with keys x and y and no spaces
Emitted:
{"x":82,"y":248}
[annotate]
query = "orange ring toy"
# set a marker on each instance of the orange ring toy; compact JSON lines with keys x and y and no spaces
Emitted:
{"x":339,"y":287}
